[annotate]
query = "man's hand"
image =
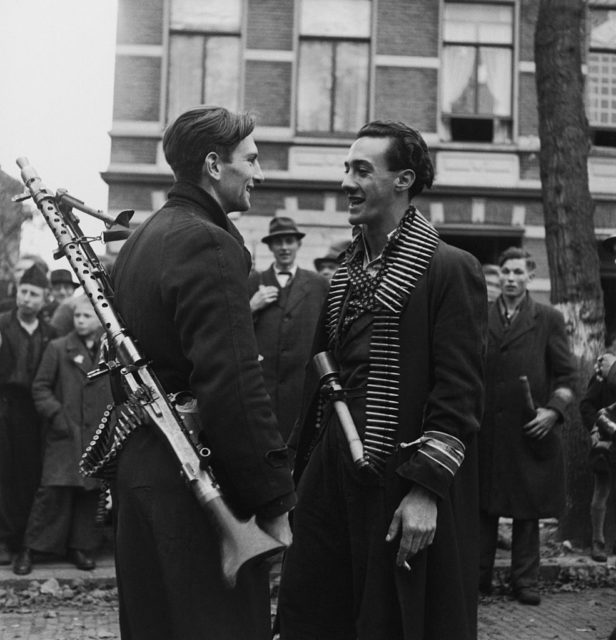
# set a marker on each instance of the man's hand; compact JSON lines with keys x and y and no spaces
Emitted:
{"x":415,"y":519}
{"x":278,"y":528}
{"x":541,"y":424}
{"x":604,"y":364}
{"x":263,"y":297}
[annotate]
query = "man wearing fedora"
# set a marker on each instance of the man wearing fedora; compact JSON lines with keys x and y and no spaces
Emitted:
{"x":286,"y":302}
{"x":326,"y":265}
{"x":62,"y":289}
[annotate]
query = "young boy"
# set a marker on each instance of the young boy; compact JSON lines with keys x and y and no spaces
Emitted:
{"x":62,"y":520}
{"x":23,"y":338}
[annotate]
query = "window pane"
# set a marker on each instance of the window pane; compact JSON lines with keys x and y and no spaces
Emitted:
{"x":494,"y":81}
{"x":458,"y":83}
{"x":185,"y":74}
{"x":315,"y":84}
{"x":210,"y":15}
{"x":340,"y":18}
{"x":485,"y":23}
{"x":351,"y":99}
{"x":603,"y":29}
{"x":222,"y":71}
{"x":601,"y":84}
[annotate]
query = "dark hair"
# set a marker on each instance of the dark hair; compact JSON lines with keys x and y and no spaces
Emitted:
{"x":490,"y":269}
{"x":407,"y":150}
{"x":199,"y":131}
{"x":517,"y":253}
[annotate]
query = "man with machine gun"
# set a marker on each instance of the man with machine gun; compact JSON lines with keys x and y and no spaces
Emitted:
{"x":181,"y":287}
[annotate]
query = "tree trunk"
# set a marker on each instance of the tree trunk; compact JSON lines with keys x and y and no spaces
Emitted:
{"x":11,"y":218}
{"x":569,"y":227}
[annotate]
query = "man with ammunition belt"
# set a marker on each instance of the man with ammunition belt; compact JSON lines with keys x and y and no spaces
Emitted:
{"x":386,"y":525}
{"x":181,"y":287}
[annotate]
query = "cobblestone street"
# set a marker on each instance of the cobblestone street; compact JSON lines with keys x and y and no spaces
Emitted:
{"x":589,"y":614}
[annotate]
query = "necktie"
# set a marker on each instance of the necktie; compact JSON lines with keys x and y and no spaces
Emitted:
{"x":284,"y":278}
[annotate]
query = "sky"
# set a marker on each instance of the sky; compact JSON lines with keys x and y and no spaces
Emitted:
{"x":56,"y":82}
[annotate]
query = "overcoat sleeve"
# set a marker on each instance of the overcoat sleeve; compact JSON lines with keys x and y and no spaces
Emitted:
{"x":591,"y":402}
{"x":204,"y":282}
{"x":562,"y":367}
{"x":45,"y":401}
{"x":458,"y":342}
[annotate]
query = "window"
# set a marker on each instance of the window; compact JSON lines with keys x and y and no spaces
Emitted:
{"x":333,"y":75}
{"x":601,"y":81}
{"x":204,"y":55}
{"x":476,"y":81}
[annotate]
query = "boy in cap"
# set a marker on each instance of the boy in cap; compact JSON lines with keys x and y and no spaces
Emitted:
{"x":327,"y":264}
{"x":23,"y":338}
{"x":285,"y":301}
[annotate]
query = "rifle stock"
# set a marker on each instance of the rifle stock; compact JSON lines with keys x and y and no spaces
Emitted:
{"x":241,"y":541}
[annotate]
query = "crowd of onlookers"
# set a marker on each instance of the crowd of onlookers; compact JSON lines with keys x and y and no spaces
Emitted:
{"x":49,"y":410}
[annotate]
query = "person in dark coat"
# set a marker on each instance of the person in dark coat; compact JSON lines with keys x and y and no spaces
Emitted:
{"x":180,"y":285}
{"x":23,"y":338}
{"x":388,"y":550}
{"x":63,"y":516}
{"x":521,"y":464}
{"x":602,"y":460}
{"x":286,"y":301}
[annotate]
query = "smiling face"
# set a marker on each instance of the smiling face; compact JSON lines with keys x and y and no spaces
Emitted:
{"x":238,"y":177}
{"x":370,"y":186}
{"x":285,"y":250}
{"x":515,"y":277}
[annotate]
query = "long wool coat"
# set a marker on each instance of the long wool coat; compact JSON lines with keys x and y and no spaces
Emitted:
{"x":72,"y":406}
{"x":442,"y":347}
{"x":521,"y":477}
{"x":284,"y":333}
{"x":181,"y":287}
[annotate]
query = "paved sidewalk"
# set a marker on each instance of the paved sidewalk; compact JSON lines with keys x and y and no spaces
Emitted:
{"x":581,"y":605}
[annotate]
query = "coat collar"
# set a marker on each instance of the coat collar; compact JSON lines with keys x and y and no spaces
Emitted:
{"x":78,"y":354}
{"x":297,"y":291}
{"x":523,"y":322}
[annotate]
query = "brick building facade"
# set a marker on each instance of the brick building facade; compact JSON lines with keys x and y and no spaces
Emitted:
{"x":315,"y":70}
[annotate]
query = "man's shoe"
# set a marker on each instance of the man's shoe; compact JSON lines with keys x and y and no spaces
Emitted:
{"x":528,"y":595}
{"x":81,"y":560}
{"x":22,"y":565}
{"x":597,"y":552}
{"x":5,"y":554}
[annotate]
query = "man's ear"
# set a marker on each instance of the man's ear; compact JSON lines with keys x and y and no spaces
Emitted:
{"x":211,"y":165}
{"x":404,"y":180}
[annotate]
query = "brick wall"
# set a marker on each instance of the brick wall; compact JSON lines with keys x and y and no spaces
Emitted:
{"x":527,"y":105}
{"x":268,"y":91}
{"x":407,"y":28}
{"x":137,"y":150}
{"x":407,"y":94}
{"x":140,"y":22}
{"x":137,"y":88}
{"x":265,"y":32}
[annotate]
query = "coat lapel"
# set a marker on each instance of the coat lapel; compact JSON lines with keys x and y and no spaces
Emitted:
{"x":523,"y":323}
{"x":78,"y":354}
{"x":297,"y":291}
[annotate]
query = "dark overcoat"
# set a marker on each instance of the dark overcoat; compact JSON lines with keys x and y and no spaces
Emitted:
{"x":442,"y":349}
{"x":72,"y":407}
{"x":521,"y":477}
{"x":181,"y":288}
{"x":284,"y":331}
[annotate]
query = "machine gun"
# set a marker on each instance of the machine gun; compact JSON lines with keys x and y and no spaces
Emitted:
{"x":241,"y":541}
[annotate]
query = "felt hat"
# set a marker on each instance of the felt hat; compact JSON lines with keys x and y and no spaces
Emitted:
{"x":35,"y":276}
{"x":609,"y":243}
{"x":62,"y":276}
{"x":333,"y":253}
{"x":281,"y":226}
